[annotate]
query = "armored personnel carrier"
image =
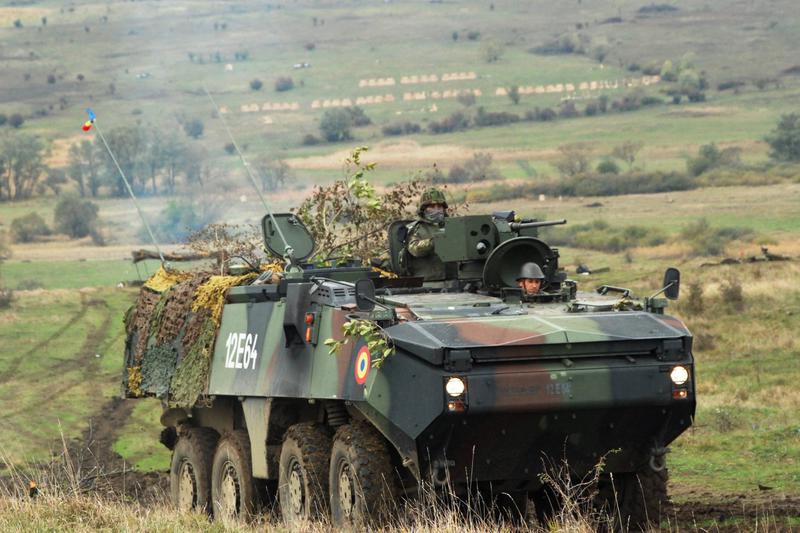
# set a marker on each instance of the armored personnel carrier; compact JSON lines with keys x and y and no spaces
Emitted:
{"x":462,"y":382}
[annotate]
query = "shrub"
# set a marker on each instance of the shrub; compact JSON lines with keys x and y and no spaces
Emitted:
{"x":479,"y":168}
{"x":6,"y":298}
{"x":310,"y":46}
{"x":731,"y":293}
{"x":629,"y":102}
{"x":358,"y":117}
{"x":401,"y":128}
{"x":541,"y":115}
{"x":28,"y":227}
{"x":3,"y":119}
{"x":335,"y":125}
{"x":608,"y":166}
{"x":310,"y":140}
{"x":694,"y":303}
{"x":456,"y":121}
{"x":652,"y":69}
{"x":785,"y":139}
{"x":571,"y":43}
{"x":568,"y":109}
{"x":634,"y":67}
{"x":284,"y":83}
{"x":710,"y":157}
{"x":256,"y":84}
{"x":16,"y":120}
{"x":75,"y":216}
{"x":473,"y":35}
{"x":730,"y":84}
{"x":485,"y":118}
{"x":193,"y":128}
{"x":230,"y":148}
{"x":651,"y":100}
{"x":573,"y":159}
{"x":612,"y":185}
{"x":599,"y":235}
{"x":706,"y":240}
{"x":513,"y":94}
{"x":657,"y":8}
{"x":492,"y":51}
{"x":51,"y":79}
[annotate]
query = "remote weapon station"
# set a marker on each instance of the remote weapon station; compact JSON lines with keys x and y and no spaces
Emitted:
{"x":458,"y":381}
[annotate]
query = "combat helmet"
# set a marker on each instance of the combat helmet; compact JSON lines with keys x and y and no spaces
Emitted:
{"x":430,"y":196}
{"x":530,"y":271}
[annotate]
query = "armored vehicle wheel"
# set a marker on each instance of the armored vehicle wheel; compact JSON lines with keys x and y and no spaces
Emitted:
{"x":515,"y":508}
{"x":233,"y":490}
{"x":641,"y":498}
{"x":190,"y":472}
{"x":362,"y":481}
{"x":303,"y":472}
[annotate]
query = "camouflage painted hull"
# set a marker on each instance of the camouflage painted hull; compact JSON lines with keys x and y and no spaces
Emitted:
{"x":563,"y":386}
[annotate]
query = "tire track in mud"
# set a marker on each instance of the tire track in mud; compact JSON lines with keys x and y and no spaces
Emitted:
{"x":79,"y":315}
{"x":90,"y":345}
{"x":106,"y":471}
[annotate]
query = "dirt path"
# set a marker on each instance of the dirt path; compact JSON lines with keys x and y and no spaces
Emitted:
{"x":710,"y":512}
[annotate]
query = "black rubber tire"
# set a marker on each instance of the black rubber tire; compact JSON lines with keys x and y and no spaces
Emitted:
{"x":233,"y":490}
{"x":362,"y":454}
{"x":191,"y":463}
{"x":515,"y":508}
{"x":303,"y":473}
{"x":641,"y":498}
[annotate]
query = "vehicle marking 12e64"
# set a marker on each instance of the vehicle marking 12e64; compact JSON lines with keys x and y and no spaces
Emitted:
{"x":241,"y":350}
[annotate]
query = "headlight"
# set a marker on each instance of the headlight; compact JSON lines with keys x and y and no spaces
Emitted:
{"x":679,"y":375}
{"x":455,"y":387}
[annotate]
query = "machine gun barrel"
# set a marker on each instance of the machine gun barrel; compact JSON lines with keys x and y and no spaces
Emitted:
{"x":516,"y":226}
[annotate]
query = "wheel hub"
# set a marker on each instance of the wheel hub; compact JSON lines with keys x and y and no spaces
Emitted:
{"x":187,"y":487}
{"x":346,"y":490}
{"x":230,"y":491}
{"x":296,"y":494}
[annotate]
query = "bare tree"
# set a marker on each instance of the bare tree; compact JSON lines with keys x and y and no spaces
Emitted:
{"x":574,"y":159}
{"x":274,"y":173}
{"x":628,"y":151}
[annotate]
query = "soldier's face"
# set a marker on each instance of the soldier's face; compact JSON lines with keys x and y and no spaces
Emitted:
{"x":434,"y":209}
{"x":530,"y":286}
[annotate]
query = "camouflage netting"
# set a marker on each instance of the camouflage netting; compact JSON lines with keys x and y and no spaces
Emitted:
{"x":191,"y":376}
{"x":171,"y":331}
{"x":157,"y":369}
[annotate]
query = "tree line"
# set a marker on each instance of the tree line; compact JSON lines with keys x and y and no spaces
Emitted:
{"x":154,"y":162}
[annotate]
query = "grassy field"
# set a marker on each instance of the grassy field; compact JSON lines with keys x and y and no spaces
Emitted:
{"x":726,"y":39}
{"x":59,"y":365}
{"x":62,"y":338}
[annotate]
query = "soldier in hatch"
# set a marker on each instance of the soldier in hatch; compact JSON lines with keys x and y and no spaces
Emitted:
{"x":531,"y":279}
{"x":432,"y":211}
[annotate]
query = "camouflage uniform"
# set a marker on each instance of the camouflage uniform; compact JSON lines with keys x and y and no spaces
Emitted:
{"x":420,"y":244}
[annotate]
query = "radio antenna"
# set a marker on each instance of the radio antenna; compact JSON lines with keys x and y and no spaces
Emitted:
{"x":92,"y":122}
{"x":288,"y":253}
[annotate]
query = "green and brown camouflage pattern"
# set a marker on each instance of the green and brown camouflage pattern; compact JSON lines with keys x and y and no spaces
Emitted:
{"x":571,"y":376}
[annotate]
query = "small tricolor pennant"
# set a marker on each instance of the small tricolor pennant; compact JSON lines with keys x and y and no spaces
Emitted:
{"x":88,"y":124}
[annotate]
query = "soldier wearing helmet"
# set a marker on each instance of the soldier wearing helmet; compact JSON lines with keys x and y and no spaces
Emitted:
{"x":530,"y":279}
{"x":432,"y":211}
